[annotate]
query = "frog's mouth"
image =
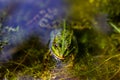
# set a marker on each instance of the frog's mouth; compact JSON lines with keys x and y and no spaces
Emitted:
{"x":59,"y":57}
{"x":57,"y":54}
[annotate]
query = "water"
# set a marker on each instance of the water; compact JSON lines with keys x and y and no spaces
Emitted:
{"x":31,"y":17}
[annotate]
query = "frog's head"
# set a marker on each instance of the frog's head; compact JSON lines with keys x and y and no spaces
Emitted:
{"x":61,"y":43}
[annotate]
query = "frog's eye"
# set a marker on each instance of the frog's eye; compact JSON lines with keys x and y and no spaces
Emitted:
{"x":54,"y":44}
{"x":57,"y":44}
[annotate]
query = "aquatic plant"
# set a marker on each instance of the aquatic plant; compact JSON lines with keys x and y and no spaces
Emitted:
{"x":5,"y":31}
{"x":115,"y":27}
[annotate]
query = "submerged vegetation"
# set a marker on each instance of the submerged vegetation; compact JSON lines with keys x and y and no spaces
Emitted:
{"x":97,"y":54}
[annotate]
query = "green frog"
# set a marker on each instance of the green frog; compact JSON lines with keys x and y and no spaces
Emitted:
{"x":62,"y":42}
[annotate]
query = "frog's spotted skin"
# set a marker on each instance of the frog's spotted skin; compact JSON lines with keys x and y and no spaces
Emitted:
{"x":61,"y":43}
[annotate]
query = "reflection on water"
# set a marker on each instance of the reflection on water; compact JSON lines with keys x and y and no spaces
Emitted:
{"x":31,"y":17}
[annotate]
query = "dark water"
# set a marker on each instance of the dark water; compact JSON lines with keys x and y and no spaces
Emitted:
{"x":21,"y":19}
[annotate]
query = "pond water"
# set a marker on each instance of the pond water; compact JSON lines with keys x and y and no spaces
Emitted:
{"x":21,"y":19}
